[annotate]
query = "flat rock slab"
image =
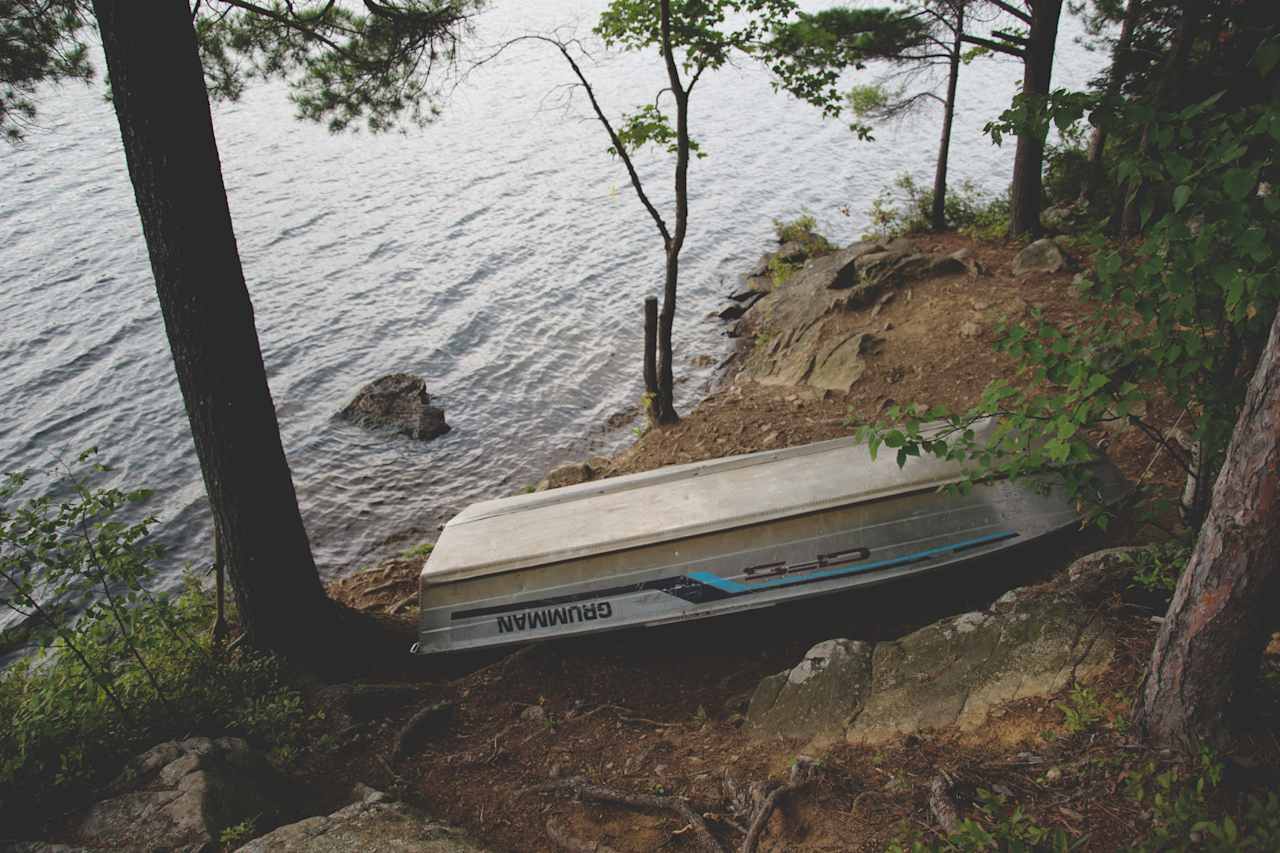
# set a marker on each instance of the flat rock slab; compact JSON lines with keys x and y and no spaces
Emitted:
{"x":376,"y":822}
{"x":1032,"y":642}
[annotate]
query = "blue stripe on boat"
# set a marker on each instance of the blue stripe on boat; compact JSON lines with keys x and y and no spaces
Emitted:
{"x":736,"y":588}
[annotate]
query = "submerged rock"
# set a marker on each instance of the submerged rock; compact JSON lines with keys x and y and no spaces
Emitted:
{"x":398,"y":401}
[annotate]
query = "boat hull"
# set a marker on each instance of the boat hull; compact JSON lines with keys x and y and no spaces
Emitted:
{"x":860,"y":544}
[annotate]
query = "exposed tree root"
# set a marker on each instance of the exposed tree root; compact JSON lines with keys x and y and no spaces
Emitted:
{"x":599,"y":793}
{"x":800,"y":774}
{"x":428,"y":720}
{"x":562,"y":838}
{"x":942,"y":805}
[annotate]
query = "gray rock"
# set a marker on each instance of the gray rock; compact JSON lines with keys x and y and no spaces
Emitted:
{"x":837,"y":367}
{"x":182,"y":794}
{"x":375,"y":822}
{"x":1042,"y":256}
{"x":569,"y":474}
{"x":398,"y":401}
{"x":1032,"y":642}
{"x":819,"y":695}
{"x":961,"y":260}
{"x":970,"y":329}
{"x":954,"y":672}
{"x":1064,"y":218}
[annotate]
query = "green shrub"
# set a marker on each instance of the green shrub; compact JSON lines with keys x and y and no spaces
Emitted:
{"x":907,"y":210}
{"x":802,"y":230}
{"x":116,"y":668}
{"x":1157,"y":568}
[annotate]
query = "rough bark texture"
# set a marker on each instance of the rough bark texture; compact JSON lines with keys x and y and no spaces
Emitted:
{"x":1208,"y":652}
{"x":938,"y":215}
{"x":651,"y":348}
{"x":1028,"y":159}
{"x":163,"y":108}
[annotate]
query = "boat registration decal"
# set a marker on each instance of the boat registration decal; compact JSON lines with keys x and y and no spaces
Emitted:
{"x":733,"y":587}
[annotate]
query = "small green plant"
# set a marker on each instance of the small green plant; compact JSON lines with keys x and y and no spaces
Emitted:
{"x":803,"y":230}
{"x":1082,"y":710}
{"x":996,"y":825}
{"x":1157,"y":568}
{"x":418,"y":552}
{"x":780,"y":270}
{"x":115,"y":667}
{"x":906,"y":208}
{"x":236,"y":835}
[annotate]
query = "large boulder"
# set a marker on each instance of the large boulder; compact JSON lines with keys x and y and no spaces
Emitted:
{"x":1032,"y":642}
{"x":374,"y":822}
{"x":820,"y":695}
{"x":1042,"y":256}
{"x":398,"y":401}
{"x":180,"y":795}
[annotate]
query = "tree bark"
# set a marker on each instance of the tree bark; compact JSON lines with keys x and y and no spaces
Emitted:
{"x":664,"y":409}
{"x":1028,"y":159}
{"x":1115,"y":77}
{"x":1207,"y":656}
{"x":650,"y":349}
{"x":163,"y":109}
{"x":938,"y":215}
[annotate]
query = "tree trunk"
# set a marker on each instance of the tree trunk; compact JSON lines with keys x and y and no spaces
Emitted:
{"x":160,"y":99}
{"x":650,"y":352}
{"x":938,"y":215}
{"x":1028,"y":159}
{"x":1192,"y":11}
{"x":1115,"y":77}
{"x":664,"y":411}
{"x":1207,"y":655}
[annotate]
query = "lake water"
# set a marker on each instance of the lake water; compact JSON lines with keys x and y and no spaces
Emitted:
{"x":500,"y":253}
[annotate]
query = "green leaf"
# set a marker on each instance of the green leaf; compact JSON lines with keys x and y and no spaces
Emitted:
{"x":1238,"y":183}
{"x":1180,"y":196}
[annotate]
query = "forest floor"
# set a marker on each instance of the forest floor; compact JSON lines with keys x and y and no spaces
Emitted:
{"x":660,"y":712}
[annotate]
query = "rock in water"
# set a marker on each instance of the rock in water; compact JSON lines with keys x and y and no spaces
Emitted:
{"x":398,"y":401}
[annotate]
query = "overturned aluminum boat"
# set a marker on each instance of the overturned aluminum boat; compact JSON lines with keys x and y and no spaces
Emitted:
{"x":709,"y":538}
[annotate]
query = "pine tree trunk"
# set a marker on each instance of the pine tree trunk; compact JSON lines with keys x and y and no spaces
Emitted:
{"x":1028,"y":159}
{"x":1206,"y":659}
{"x":938,"y":215}
{"x":1115,"y":77}
{"x":163,"y":109}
